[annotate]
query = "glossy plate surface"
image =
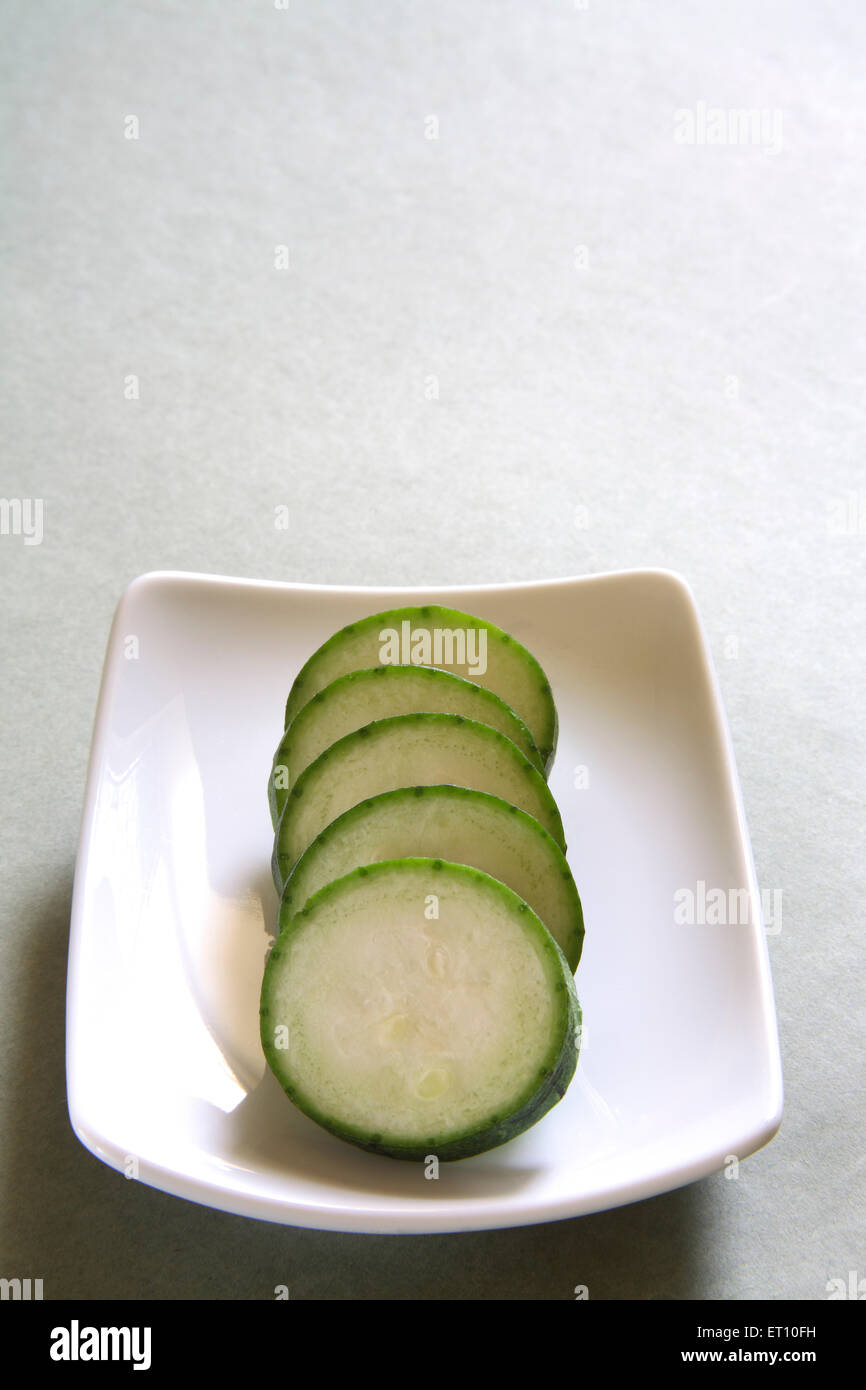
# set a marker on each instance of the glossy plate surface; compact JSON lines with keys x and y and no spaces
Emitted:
{"x":174,"y":908}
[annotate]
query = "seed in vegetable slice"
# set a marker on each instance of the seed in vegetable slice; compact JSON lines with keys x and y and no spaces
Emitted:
{"x":413,"y":1033}
{"x":443,"y":822}
{"x":410,"y":750}
{"x":379,"y":692}
{"x":432,"y":635}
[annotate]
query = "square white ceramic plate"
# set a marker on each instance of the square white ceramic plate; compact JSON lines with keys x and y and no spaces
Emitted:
{"x":174,"y":908}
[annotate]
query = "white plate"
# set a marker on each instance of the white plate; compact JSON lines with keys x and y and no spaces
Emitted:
{"x":174,"y":907}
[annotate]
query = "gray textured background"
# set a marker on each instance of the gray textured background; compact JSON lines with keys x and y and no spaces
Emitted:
{"x":553,"y":306}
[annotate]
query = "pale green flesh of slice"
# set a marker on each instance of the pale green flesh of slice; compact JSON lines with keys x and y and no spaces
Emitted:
{"x":411,"y":750}
{"x":360,"y":697}
{"x":404,"y":1026}
{"x":452,"y":823}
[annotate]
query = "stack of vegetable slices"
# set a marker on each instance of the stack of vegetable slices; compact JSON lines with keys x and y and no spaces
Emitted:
{"x":419,"y":1000}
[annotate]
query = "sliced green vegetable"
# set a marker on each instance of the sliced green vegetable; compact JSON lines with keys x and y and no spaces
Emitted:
{"x":419,"y":1008}
{"x":442,"y":822}
{"x":410,"y":750}
{"x":431,"y":635}
{"x":379,"y":692}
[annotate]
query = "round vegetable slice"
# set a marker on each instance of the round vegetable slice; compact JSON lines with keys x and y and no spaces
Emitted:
{"x":419,"y":1008}
{"x":380,"y":692}
{"x":431,"y":635}
{"x":410,"y":750}
{"x":443,"y":822}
